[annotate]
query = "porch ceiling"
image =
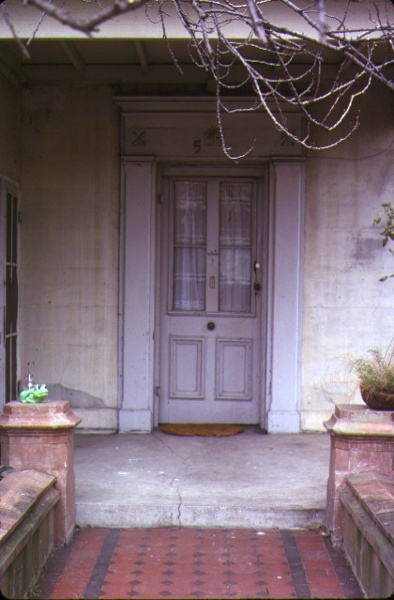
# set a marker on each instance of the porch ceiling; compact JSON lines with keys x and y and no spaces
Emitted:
{"x":122,"y":61}
{"x":57,"y":57}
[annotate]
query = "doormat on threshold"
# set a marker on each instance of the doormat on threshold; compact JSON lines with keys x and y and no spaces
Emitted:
{"x":204,"y":429}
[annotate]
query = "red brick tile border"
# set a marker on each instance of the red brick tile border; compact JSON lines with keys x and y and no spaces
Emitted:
{"x":183,"y":563}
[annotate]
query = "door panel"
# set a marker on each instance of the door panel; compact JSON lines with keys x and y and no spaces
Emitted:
{"x":210,"y":357}
{"x":186,"y":360}
{"x":234,"y":369}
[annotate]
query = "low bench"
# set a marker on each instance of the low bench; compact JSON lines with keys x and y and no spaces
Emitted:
{"x":367,"y":501}
{"x":27,"y":503}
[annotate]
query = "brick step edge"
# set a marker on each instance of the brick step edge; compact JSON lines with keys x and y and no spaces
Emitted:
{"x":27,"y":503}
{"x":368,"y":530}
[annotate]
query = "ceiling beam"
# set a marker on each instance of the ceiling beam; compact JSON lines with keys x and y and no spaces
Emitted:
{"x":139,"y":48}
{"x":73,"y":56}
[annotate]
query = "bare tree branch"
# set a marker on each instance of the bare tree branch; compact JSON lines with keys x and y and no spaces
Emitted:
{"x":281,"y":58}
{"x":88,"y":25}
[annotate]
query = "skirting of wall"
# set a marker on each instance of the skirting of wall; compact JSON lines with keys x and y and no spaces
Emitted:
{"x":312,"y":420}
{"x":137,"y":421}
{"x":283,"y":422}
{"x":100,"y":420}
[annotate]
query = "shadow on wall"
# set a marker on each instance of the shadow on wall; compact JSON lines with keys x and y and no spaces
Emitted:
{"x":366,"y":249}
{"x":77,"y":398}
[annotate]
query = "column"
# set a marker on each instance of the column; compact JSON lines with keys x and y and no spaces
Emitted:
{"x":136,"y":412}
{"x":285,"y":299}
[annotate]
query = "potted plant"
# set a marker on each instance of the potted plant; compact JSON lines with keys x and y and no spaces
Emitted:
{"x":376,"y":378}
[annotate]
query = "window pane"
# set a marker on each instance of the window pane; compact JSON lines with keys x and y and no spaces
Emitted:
{"x":235,"y":214}
{"x":189,"y":279}
{"x":12,"y":224}
{"x":10,"y":376}
{"x":11,"y":308}
{"x":189,"y":268}
{"x":235,"y":261}
{"x":235,"y":280}
{"x":189,"y":213}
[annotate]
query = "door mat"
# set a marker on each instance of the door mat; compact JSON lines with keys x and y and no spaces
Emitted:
{"x":204,"y":429}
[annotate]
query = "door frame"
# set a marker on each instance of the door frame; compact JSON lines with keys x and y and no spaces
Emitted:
{"x":258,"y":172}
{"x":157,"y":131}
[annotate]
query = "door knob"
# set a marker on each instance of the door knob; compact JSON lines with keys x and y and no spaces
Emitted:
{"x":211,"y":325}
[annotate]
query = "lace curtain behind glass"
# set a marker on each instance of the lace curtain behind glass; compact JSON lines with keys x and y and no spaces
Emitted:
{"x":234,"y":239}
{"x":189,"y":245}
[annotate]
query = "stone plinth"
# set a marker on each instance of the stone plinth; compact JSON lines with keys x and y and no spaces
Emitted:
{"x":361,"y":440}
{"x":28,"y":502}
{"x":41,"y":437}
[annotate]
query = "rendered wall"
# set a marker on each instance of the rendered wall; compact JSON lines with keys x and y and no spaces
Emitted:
{"x":69,"y":247}
{"x":9,"y":130}
{"x":346,"y":309}
{"x":9,"y":168}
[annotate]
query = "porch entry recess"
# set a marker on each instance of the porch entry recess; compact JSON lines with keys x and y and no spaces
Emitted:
{"x":8,"y":291}
{"x":211,"y":300}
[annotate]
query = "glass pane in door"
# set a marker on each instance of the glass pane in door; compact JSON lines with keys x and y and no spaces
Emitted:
{"x":235,"y":243}
{"x":189,"y":264}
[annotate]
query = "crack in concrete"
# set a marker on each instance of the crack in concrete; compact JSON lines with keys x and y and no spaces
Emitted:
{"x":180,"y":501}
{"x":158,"y":437}
{"x":174,"y":479}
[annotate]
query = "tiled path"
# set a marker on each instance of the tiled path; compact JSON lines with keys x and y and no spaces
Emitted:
{"x":197,"y":563}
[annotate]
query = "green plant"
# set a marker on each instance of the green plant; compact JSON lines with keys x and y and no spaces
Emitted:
{"x":33,"y":591}
{"x":34,"y":394}
{"x":387,"y":232}
{"x":377,"y":371}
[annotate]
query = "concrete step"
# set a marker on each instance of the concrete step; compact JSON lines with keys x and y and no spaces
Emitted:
{"x":209,"y":515}
{"x":251,"y":480}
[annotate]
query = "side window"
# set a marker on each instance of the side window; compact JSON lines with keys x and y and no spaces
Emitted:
{"x":9,"y":291}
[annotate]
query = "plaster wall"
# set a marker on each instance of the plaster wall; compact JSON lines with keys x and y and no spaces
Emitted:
{"x":9,"y":130}
{"x":347,"y":310}
{"x":69,"y":247}
{"x":9,"y":148}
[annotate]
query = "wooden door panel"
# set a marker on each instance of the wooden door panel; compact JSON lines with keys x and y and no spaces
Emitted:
{"x":186,"y":367}
{"x":234,"y":369}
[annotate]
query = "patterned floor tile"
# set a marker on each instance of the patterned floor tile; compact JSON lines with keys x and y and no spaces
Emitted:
{"x":174,"y":563}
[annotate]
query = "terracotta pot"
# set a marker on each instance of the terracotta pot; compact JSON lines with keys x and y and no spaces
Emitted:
{"x":377,"y":399}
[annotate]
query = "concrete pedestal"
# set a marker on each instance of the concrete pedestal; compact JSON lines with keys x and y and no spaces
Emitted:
{"x":41,"y":437}
{"x":361,"y":440}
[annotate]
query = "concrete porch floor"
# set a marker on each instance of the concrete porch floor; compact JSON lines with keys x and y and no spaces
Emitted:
{"x":250,"y":480}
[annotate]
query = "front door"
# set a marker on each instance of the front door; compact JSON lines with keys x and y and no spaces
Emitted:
{"x":8,"y":292}
{"x":211,"y":300}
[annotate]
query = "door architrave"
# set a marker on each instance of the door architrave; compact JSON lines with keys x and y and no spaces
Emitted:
{"x":169,"y":129}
